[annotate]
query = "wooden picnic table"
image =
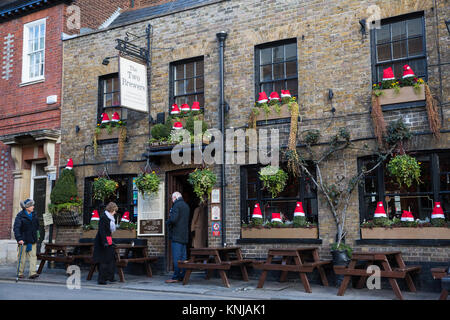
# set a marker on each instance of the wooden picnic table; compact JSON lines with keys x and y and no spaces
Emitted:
{"x":301,"y":260}
{"x":211,"y":259}
{"x":60,"y":252}
{"x":392,"y":267}
{"x":438,"y":273}
{"x":139,"y":254}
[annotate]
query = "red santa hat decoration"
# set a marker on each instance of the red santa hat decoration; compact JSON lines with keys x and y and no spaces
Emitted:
{"x":175,"y":109}
{"x":379,"y":211}
{"x":407,"y":72}
{"x":285,"y":94}
{"x":195,"y":106}
{"x":437,"y":213}
{"x":407,"y":216}
{"x":95,"y":216}
{"x":116,"y":117}
{"x":299,"y":212}
{"x":276,"y":217}
{"x":257,"y":212}
{"x":388,"y":74}
{"x":125,"y":217}
{"x":274,"y":96}
{"x":177,"y":125}
{"x":69,"y":164}
{"x":262,"y":97}
{"x":105,"y":118}
{"x":185,"y":107}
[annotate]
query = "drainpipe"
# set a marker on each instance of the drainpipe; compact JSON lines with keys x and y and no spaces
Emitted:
{"x":221,"y":36}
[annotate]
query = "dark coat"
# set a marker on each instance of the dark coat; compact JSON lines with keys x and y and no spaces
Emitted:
{"x":26,"y":229}
{"x":178,"y":222}
{"x":103,"y":253}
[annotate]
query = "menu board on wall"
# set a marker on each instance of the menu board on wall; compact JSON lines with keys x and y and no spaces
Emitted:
{"x":151,"y":213}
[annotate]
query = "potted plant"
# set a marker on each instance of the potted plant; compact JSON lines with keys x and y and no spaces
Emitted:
{"x":65,"y":205}
{"x":203,"y":181}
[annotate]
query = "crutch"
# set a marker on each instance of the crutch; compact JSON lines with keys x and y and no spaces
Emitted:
{"x":20,"y":259}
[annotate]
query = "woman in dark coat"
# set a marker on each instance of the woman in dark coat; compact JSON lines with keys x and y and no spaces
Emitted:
{"x":104,"y":253}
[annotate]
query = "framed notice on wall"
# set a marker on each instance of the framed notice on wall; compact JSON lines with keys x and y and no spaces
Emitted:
{"x":151,"y":213}
{"x":133,"y":85}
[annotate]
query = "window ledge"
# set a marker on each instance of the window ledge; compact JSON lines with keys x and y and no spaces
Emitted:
{"x":273,"y":241}
{"x":29,"y":83}
{"x":413,"y":242}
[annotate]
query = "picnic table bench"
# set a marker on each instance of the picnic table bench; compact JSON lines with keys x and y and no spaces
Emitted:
{"x":438,"y":273}
{"x":59,"y":252}
{"x":122,"y":251}
{"x":301,"y":260}
{"x":396,"y":270}
{"x":211,"y":259}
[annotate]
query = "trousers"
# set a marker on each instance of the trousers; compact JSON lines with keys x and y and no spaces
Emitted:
{"x":29,"y":256}
{"x":178,"y":253}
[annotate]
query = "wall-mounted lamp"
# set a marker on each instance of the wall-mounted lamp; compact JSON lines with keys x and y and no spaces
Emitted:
{"x":447,"y":22}
{"x":330,"y":94}
{"x":105,"y":61}
{"x":77,"y":129}
{"x":363,"y":31}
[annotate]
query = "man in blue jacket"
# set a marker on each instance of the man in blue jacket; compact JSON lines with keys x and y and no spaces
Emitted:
{"x":26,"y":229}
{"x":178,"y":225}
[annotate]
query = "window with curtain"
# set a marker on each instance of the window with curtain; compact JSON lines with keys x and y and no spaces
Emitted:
{"x":399,"y":41}
{"x":276,"y":67}
{"x":419,"y":198}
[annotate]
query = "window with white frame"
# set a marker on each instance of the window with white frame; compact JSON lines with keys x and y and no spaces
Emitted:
{"x":33,"y":51}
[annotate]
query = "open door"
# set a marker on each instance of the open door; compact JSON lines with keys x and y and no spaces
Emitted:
{"x":178,"y":181}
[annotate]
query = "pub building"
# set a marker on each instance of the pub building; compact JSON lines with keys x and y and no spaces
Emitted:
{"x":219,"y":57}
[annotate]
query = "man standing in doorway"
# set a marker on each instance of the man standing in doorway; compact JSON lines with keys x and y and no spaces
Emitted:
{"x":178,"y":225}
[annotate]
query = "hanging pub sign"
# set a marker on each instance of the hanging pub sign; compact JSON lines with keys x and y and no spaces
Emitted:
{"x":151,"y":213}
{"x":133,"y":85}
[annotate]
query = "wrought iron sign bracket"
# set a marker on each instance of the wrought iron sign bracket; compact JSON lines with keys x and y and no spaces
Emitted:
{"x":126,"y":47}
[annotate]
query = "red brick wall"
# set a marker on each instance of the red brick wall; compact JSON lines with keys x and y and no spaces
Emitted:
{"x":24,"y":108}
{"x":6,"y":191}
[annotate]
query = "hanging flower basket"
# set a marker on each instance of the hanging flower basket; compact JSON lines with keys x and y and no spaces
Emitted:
{"x":203,"y":181}
{"x":103,"y":188}
{"x":274,"y":179}
{"x":147,"y":183}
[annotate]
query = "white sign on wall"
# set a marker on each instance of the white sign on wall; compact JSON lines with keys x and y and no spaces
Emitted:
{"x":151,"y":213}
{"x":133,"y":85}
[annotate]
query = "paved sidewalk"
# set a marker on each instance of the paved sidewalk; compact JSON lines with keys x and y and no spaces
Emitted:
{"x":291,"y":290}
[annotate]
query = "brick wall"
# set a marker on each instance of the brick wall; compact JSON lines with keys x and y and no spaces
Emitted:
{"x":6,"y":191}
{"x":24,"y":108}
{"x":331,"y":54}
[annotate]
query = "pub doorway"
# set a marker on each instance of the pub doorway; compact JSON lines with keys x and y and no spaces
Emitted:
{"x":178,"y":181}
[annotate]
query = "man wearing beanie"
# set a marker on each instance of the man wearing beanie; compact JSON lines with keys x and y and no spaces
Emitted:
{"x":26,"y":228}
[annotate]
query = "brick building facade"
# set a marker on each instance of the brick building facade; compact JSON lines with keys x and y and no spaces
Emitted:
{"x":330,"y":53}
